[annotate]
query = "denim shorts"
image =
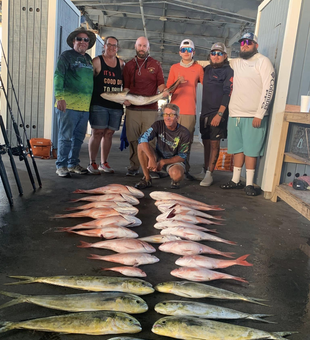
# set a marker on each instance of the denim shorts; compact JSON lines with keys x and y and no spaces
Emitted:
{"x":102,"y":117}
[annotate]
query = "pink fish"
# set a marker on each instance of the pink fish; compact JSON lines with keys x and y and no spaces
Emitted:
{"x":171,"y":215}
{"x":128,"y":259}
{"x":108,"y":198}
{"x":180,"y":209}
{"x":193,"y":235}
{"x":106,"y":204}
{"x":202,"y":274}
{"x":124,"y":245}
{"x":120,"y":220}
{"x":199,"y":206}
{"x":164,"y":195}
{"x":92,"y":213}
{"x":128,"y":271}
{"x":190,"y":248}
{"x":113,"y":189}
{"x":107,"y":232}
{"x":175,"y":224}
{"x":210,"y":263}
{"x":160,"y":238}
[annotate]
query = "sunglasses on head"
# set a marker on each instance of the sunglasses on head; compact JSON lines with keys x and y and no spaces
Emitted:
{"x":188,"y":49}
{"x":82,"y":39}
{"x":213,"y":53}
{"x":246,"y":41}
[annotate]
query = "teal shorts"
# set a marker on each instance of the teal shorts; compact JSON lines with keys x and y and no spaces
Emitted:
{"x":243,"y":137}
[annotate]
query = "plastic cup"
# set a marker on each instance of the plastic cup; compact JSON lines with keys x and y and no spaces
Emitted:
{"x":305,"y":104}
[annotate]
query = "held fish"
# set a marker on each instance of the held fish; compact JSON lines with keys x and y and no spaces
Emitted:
{"x":125,"y":245}
{"x":196,"y":290}
{"x":160,"y":238}
{"x":172,"y":224}
{"x":190,"y":248}
{"x":113,"y":189}
{"x":86,"y":302}
{"x":194,"y":235}
{"x":95,"y":213}
{"x":119,"y":220}
{"x":131,"y":210}
{"x":128,"y":259}
{"x":210,"y":263}
{"x":202,"y":274}
{"x":203,"y":310}
{"x":186,"y":327}
{"x":92,"y":283}
{"x":128,"y":271}
{"x":134,"y":99}
{"x":171,"y":215}
{"x":107,"y":232}
{"x":108,"y":198}
{"x":198,"y":206}
{"x":90,"y":323}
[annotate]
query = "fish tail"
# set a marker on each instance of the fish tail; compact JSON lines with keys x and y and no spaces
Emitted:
{"x":74,"y":200}
{"x":281,"y":335}
{"x":84,"y":245}
{"x":94,"y":257}
{"x":70,"y":208}
{"x":229,"y":242}
{"x":7,"y":326}
{"x":226,"y":254}
{"x":241,"y":261}
{"x":60,"y":216}
{"x":240,"y":279}
{"x":257,"y":301}
{"x":258,"y":317}
{"x":29,"y":279}
{"x":79,"y":191}
{"x":60,"y":229}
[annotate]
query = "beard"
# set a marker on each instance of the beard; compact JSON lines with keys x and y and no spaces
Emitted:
{"x":248,"y":54}
{"x":217,"y":65}
{"x":142,"y":54}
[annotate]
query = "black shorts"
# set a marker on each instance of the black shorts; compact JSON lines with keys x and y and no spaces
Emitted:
{"x":213,"y":132}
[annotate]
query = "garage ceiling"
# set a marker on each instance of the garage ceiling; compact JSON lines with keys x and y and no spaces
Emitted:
{"x":167,"y":23}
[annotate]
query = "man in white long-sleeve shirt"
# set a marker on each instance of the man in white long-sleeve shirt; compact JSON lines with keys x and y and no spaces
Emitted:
{"x":248,"y":109}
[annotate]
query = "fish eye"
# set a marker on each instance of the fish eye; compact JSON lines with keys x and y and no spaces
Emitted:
{"x":164,"y":303}
{"x":164,"y":321}
{"x":137,"y":301}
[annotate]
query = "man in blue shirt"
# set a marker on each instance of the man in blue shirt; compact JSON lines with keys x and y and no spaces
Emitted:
{"x":172,"y":147}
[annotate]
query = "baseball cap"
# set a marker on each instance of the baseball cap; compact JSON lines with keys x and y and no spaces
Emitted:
{"x":250,"y":36}
{"x":219,"y":46}
{"x":187,"y":43}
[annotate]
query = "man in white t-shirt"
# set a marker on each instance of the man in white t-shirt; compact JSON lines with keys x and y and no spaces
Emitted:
{"x":254,"y":80}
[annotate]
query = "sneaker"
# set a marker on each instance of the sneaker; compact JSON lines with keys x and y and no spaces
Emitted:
{"x":201,"y":175}
{"x":132,"y":172}
{"x":93,"y":169}
{"x":105,"y":167}
{"x":77,"y":169}
{"x":63,"y":172}
{"x":154,"y":175}
{"x":143,"y":184}
{"x":175,"y":185}
{"x":208,"y":179}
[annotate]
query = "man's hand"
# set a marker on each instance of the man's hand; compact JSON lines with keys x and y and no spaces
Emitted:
{"x":127,"y":103}
{"x":165,"y":93}
{"x":160,"y":165}
{"x":152,"y":164}
{"x":216,"y":120}
{"x":61,"y":105}
{"x":256,"y":122}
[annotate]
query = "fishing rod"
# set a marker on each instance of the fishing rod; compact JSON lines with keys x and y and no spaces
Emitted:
{"x":4,"y":177}
{"x":10,"y":153}
{"x":20,"y":147}
{"x":34,"y":164}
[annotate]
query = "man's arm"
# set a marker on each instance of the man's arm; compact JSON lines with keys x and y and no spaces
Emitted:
{"x":59,"y":80}
{"x":167,"y":161}
{"x":96,"y":66}
{"x":152,"y":162}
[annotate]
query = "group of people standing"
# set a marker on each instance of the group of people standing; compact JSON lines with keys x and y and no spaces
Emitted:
{"x":240,"y":89}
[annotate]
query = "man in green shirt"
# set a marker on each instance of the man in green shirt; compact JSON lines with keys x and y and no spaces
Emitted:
{"x":73,"y":86}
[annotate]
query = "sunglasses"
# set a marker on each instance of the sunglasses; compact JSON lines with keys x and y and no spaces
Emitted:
{"x":213,"y":53}
{"x":188,"y":49}
{"x":166,"y":115}
{"x":246,"y":41}
{"x":82,"y":39}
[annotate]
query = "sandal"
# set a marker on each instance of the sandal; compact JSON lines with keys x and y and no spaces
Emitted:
{"x":250,"y":190}
{"x":174,"y":185}
{"x":232,"y":185}
{"x":143,"y":184}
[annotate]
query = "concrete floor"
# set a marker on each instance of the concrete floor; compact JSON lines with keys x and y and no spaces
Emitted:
{"x":276,"y":237}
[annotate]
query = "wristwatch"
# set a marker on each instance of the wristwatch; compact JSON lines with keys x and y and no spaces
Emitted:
{"x":220,"y":114}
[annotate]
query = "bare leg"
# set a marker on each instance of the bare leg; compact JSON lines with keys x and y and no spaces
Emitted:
{"x":250,"y":162}
{"x":143,"y":159}
{"x":94,"y":142}
{"x":214,"y":155}
{"x":106,"y":143}
{"x":206,"y":149}
{"x":176,"y":173}
{"x":239,"y":159}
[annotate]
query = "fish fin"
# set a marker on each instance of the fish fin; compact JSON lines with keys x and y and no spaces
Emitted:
{"x":74,"y":200}
{"x":258,"y":317}
{"x":227,"y":254}
{"x":29,"y":279}
{"x":281,"y":335}
{"x":241,"y":261}
{"x":240,"y":279}
{"x":94,"y":257}
{"x":59,"y":216}
{"x":78,"y":191}
{"x":257,"y":301}
{"x":84,"y":245}
{"x":71,"y":208}
{"x":11,"y":303}
{"x":7,"y":326}
{"x":230,"y":242}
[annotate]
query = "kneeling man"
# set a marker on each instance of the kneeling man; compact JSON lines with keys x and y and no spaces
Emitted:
{"x":172,"y":147}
